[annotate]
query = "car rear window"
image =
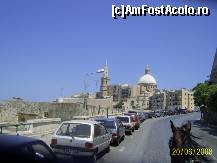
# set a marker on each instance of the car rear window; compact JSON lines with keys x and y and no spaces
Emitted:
{"x":124,"y":119}
{"x":109,"y":124}
{"x":75,"y":130}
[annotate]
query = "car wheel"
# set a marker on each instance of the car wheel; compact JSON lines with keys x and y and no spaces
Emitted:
{"x":108,"y":149}
{"x":117,"y":142}
{"x":133,"y":130}
{"x":123,"y":137}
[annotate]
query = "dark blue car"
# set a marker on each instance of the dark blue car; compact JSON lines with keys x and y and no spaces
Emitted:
{"x":24,"y":149}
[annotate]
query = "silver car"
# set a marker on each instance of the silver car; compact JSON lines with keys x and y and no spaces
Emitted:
{"x":81,"y":138}
{"x":116,"y":128}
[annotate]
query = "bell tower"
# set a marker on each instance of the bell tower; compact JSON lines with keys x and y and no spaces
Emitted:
{"x":104,"y":89}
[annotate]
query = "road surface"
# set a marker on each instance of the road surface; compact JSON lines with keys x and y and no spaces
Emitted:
{"x":150,"y":143}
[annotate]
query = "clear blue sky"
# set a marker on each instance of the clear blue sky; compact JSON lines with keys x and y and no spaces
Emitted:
{"x":46,"y":45}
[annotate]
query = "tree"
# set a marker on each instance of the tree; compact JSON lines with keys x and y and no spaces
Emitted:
{"x":119,"y":104}
{"x":212,"y":99}
{"x":206,"y":94}
{"x":201,"y":93}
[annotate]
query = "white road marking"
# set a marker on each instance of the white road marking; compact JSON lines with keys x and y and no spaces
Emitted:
{"x":122,"y":149}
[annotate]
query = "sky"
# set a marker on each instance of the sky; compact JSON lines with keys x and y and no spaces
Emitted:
{"x":48,"y":46}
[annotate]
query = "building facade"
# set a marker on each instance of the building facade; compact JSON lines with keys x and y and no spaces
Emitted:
{"x":120,"y":92}
{"x":173,"y":99}
{"x":147,"y":88}
{"x":158,"y":101}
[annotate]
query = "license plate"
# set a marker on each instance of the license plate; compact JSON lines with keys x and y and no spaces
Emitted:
{"x":70,"y":151}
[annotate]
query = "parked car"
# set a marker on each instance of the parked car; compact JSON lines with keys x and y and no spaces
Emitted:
{"x":157,"y":114}
{"x":15,"y":148}
{"x":116,"y":128}
{"x":145,"y":115}
{"x":150,"y":114}
{"x":170,"y":112}
{"x":128,"y":123}
{"x":183,"y":111}
{"x":138,"y":114}
{"x":142,"y":116}
{"x":81,"y":138}
{"x":135,"y":120}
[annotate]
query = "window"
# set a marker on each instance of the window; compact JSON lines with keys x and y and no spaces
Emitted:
{"x":75,"y":130}
{"x":109,"y":124}
{"x":63,"y":130}
{"x":97,"y":131}
{"x":103,"y":131}
{"x":46,"y":114}
{"x":124,"y":119}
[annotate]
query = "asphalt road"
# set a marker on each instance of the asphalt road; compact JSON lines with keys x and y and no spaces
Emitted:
{"x":150,"y":143}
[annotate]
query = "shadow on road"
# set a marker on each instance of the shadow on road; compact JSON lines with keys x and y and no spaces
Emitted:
{"x":212,"y":130}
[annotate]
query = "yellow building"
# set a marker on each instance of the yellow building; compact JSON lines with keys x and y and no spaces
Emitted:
{"x":180,"y":99}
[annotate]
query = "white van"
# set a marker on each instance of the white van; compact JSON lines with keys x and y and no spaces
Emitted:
{"x":81,"y":138}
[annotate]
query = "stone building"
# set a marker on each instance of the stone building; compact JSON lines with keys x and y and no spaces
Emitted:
{"x":172,"y":99}
{"x":213,"y":76}
{"x":180,"y":99}
{"x":147,"y":88}
{"x":158,"y":101}
{"x":120,"y":92}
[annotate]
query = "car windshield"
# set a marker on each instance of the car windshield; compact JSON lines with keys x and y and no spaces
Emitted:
{"x":75,"y":130}
{"x":124,"y":119}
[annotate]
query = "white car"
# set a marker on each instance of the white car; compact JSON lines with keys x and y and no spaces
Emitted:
{"x":128,"y":123}
{"x":81,"y":138}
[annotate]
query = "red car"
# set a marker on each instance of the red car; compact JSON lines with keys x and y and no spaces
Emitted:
{"x":135,"y":119}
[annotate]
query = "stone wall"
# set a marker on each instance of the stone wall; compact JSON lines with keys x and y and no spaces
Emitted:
{"x":8,"y":113}
{"x":211,"y":117}
{"x":14,"y":111}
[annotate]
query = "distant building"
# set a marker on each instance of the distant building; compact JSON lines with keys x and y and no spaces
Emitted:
{"x":172,"y":99}
{"x":135,"y":96}
{"x":158,"y":101}
{"x":213,"y":76}
{"x":115,"y":91}
{"x":147,"y":88}
{"x":120,"y":92}
{"x":180,"y":99}
{"x":147,"y":82}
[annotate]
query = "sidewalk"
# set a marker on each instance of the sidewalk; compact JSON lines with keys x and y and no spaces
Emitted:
{"x":206,"y":136}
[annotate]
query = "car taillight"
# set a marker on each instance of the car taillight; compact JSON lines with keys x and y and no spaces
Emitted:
{"x":114,"y":134}
{"x":54,"y":142}
{"x":88,"y":145}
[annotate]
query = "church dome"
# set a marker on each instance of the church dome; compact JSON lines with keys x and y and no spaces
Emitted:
{"x":147,"y":78}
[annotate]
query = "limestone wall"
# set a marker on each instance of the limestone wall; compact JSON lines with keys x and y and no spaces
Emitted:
{"x":16,"y":110}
